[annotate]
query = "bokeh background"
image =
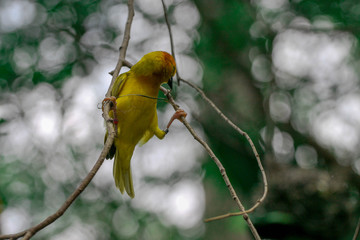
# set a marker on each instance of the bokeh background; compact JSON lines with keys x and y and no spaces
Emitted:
{"x":287,"y":72}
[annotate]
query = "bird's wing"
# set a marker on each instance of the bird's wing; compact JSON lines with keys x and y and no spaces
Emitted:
{"x":119,"y":84}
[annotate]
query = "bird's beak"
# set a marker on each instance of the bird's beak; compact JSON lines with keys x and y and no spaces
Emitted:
{"x":170,"y":82}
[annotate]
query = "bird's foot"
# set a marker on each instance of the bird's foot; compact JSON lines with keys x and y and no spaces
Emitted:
{"x":111,"y":99}
{"x":179,"y":115}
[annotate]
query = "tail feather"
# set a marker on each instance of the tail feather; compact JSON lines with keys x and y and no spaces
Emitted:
{"x":122,"y":171}
{"x":128,"y":183}
{"x":117,"y":173}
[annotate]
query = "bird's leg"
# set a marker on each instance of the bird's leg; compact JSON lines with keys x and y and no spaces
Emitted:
{"x":177,"y":115}
{"x":111,"y":99}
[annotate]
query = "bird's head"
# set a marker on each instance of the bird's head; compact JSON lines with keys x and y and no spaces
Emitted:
{"x":159,"y":66}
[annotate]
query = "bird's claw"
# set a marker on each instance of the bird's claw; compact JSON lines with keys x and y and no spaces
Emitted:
{"x":111,"y":99}
{"x":179,"y":114}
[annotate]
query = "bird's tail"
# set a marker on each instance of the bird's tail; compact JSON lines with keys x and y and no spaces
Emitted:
{"x":122,"y":171}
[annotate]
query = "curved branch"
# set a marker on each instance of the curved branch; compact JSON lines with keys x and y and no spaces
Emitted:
{"x":84,"y":183}
{"x":217,"y":162}
{"x":109,"y":141}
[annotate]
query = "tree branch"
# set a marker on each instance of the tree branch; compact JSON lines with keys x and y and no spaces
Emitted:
{"x":109,"y":141}
{"x":32,"y":231}
{"x":123,"y":47}
{"x":210,"y":152}
{"x":217,"y":162}
{"x":171,"y":40}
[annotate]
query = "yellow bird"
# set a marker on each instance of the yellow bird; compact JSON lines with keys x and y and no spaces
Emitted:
{"x":134,"y":111}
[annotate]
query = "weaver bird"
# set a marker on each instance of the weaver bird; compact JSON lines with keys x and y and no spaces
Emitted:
{"x":134,"y":100}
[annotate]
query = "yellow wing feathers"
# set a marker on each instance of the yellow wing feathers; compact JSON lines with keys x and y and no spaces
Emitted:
{"x":119,"y":83}
{"x":136,"y":114}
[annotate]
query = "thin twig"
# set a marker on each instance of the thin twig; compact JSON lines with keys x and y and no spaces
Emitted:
{"x":259,"y":201}
{"x":171,"y":40}
{"x":125,"y":63}
{"x":217,"y":162}
{"x":123,"y":47}
{"x":109,"y":141}
{"x":357,"y":230}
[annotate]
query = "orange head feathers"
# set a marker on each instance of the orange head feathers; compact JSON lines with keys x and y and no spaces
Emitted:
{"x":157,"y":65}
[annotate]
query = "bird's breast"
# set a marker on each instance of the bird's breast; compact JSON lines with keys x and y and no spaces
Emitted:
{"x":135,"y":114}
